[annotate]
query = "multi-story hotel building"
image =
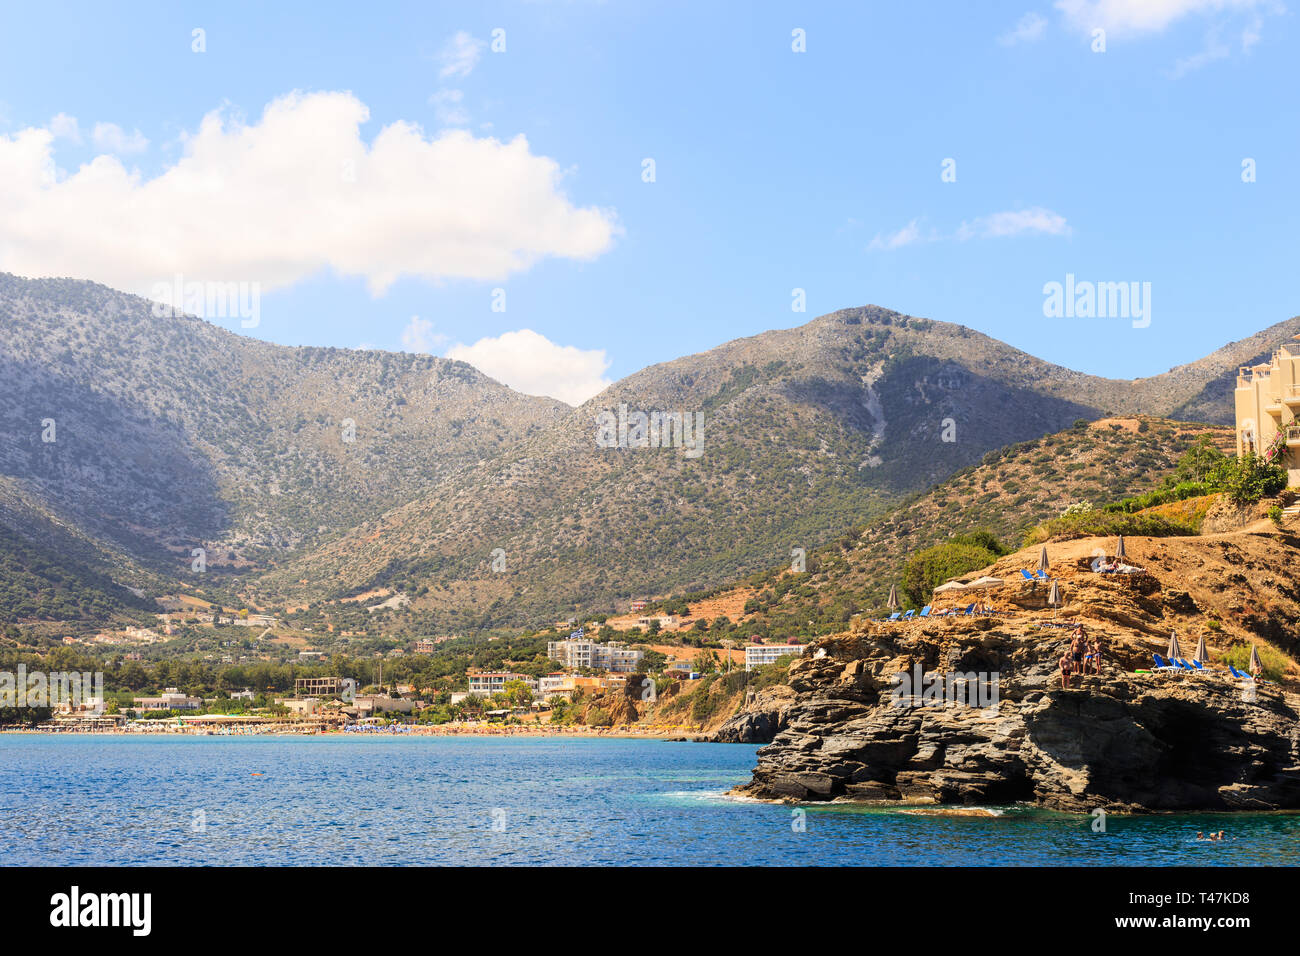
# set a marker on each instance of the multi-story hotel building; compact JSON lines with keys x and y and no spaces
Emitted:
{"x":318,"y":686}
{"x":613,"y":656}
{"x":1268,"y":403}
{"x":756,"y":655}
{"x":487,"y":683}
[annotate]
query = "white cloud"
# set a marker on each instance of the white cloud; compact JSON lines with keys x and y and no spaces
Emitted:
{"x":63,"y":126}
{"x":903,"y":237}
{"x":1214,"y":49}
{"x":999,"y":225}
{"x":1133,"y":17}
{"x":296,"y":193}
{"x":532,"y":364}
{"x":1250,"y":35}
{"x":447,"y":107}
{"x":460,"y":55}
{"x":418,"y":336}
{"x":1028,"y":28}
{"x":1019,"y":222}
{"x":111,"y":138}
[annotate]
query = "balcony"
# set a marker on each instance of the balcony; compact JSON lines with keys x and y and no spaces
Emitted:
{"x":1292,"y":396}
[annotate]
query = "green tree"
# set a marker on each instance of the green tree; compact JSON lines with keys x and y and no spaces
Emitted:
{"x":925,"y":570}
{"x":1199,"y":463}
{"x":1248,"y":479}
{"x":517,"y":693}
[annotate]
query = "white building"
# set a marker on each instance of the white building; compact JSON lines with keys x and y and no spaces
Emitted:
{"x":757,"y":655}
{"x":487,"y":683}
{"x":171,"y":699}
{"x":667,"y":622}
{"x":614,"y":656}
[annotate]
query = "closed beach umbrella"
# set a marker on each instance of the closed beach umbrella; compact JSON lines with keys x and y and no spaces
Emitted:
{"x":893,"y":597}
{"x":1054,"y":595}
{"x":1255,"y":664}
{"x":1173,"y":645}
{"x":1042,"y":560}
{"x":1119,"y":548}
{"x":1200,"y":649}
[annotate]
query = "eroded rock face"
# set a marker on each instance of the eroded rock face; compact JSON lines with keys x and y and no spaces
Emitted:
{"x":760,"y":721}
{"x":1119,"y":741}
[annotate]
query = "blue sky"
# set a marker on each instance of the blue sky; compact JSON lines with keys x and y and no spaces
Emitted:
{"x":774,"y":170}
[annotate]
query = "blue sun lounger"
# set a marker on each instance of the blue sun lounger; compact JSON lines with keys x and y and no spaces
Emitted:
{"x":1161,"y":664}
{"x":1027,"y":576}
{"x":909,"y":615}
{"x":925,"y":611}
{"x":1243,"y":676}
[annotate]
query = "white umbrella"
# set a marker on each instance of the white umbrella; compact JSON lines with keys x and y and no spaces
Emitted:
{"x":1255,"y":664}
{"x":1201,"y":654}
{"x":986,"y":582}
{"x":950,"y":586}
{"x":1054,"y":595}
{"x":893,"y":597}
{"x":1173,"y":646}
{"x":1042,"y":560}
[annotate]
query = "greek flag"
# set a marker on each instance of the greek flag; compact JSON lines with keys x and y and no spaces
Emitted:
{"x":578,"y":634}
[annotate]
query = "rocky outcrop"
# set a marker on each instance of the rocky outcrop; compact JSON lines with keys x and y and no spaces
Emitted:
{"x":759,"y":721}
{"x":1121,"y":741}
{"x":610,"y":709}
{"x":1228,"y":515}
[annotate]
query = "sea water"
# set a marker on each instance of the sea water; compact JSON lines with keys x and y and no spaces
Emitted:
{"x":267,"y":801}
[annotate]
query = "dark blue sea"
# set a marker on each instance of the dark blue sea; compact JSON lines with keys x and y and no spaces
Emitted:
{"x":477,"y":801}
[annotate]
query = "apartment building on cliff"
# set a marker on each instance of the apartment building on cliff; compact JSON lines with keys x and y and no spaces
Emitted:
{"x":1268,"y":410}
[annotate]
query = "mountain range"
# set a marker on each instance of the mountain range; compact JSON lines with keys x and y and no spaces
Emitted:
{"x":130,"y":439}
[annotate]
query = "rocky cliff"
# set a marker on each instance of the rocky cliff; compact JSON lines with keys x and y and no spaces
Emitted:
{"x":759,"y":720}
{"x":1129,"y":739}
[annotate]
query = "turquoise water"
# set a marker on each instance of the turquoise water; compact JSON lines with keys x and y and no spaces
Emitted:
{"x":330,"y":800}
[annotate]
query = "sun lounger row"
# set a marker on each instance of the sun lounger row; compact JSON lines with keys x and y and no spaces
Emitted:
{"x":1178,"y":664}
{"x":926,"y":612}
